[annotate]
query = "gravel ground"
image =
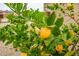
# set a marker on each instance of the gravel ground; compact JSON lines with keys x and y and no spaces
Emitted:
{"x":6,"y":50}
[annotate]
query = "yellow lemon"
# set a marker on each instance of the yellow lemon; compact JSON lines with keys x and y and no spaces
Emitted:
{"x":59,"y":48}
{"x":70,"y":6}
{"x":44,"y":33}
{"x":23,"y":54}
{"x":43,"y":53}
{"x":71,"y":32}
{"x":68,"y":42}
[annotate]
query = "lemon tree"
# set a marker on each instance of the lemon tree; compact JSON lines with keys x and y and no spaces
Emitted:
{"x":35,"y":33}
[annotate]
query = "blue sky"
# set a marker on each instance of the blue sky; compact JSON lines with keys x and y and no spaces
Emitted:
{"x":30,"y":5}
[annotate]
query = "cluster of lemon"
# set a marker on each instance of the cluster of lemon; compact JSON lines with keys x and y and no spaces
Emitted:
{"x":45,"y":33}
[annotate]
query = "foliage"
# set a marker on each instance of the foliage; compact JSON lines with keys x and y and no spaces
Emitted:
{"x":25,"y":25}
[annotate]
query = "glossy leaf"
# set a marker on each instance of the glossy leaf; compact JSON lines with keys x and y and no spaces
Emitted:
{"x":55,"y":30}
{"x":59,"y":22}
{"x":51,"y":19}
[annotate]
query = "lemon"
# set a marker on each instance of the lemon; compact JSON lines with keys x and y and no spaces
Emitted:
{"x":59,"y":48}
{"x":70,"y":6}
{"x":44,"y":33}
{"x":71,"y":33}
{"x":23,"y":54}
{"x":68,"y":42}
{"x":43,"y":53}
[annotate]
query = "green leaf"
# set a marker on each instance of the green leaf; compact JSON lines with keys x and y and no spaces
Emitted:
{"x":48,"y":41}
{"x":53,"y":7}
{"x":10,"y":17}
{"x":51,"y":19}
{"x":25,"y":13}
{"x":70,"y":53}
{"x":19,"y":7}
{"x":55,"y":30}
{"x":24,"y":49}
{"x":8,"y":42}
{"x":38,"y":15}
{"x":59,"y":22}
{"x":16,"y":7}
